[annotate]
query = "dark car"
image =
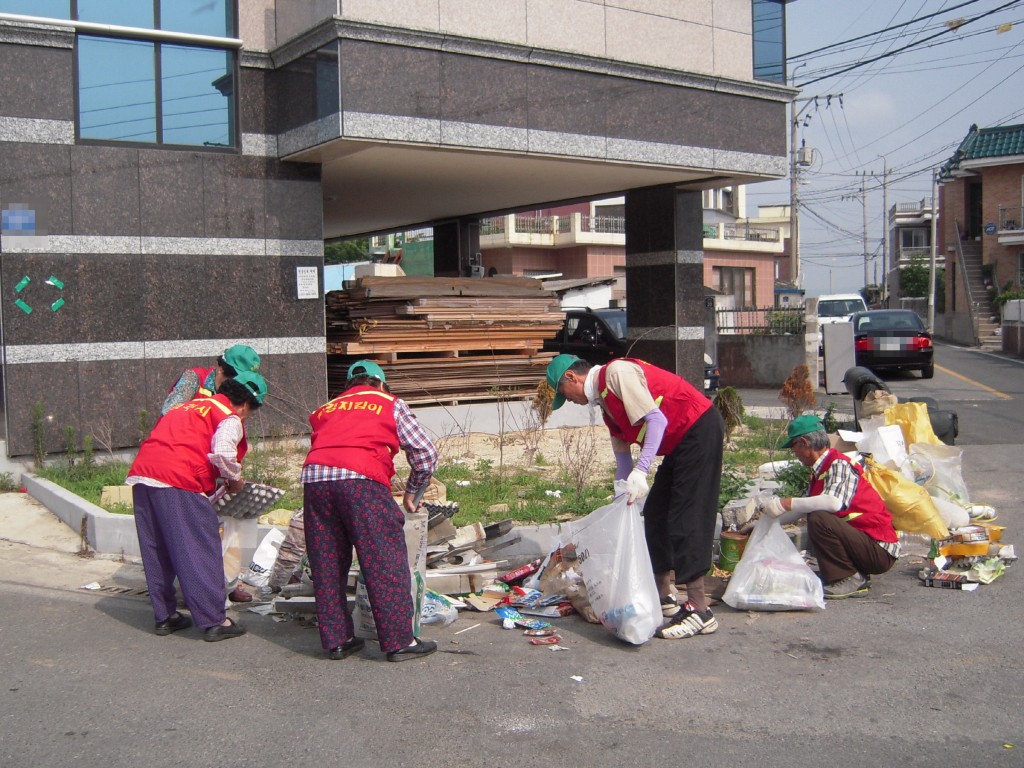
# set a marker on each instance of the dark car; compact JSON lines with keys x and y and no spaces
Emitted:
{"x":893,"y":340}
{"x":599,"y":335}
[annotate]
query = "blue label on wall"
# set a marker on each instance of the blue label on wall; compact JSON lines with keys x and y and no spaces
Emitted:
{"x":990,"y":229}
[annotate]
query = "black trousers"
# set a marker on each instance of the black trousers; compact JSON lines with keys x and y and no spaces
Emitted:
{"x":680,"y":511}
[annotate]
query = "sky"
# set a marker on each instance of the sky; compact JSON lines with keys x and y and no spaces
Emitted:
{"x":905,"y":112}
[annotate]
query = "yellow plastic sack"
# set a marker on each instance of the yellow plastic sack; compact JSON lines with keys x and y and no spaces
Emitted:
{"x":913,"y":510}
{"x":913,"y":419}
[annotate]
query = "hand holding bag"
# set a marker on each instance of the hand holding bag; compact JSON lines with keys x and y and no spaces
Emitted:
{"x":612,"y":558}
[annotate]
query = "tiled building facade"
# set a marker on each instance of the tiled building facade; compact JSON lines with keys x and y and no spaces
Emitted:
{"x":179,"y":227}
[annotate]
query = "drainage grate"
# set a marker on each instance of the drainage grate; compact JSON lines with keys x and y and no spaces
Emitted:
{"x":111,"y":589}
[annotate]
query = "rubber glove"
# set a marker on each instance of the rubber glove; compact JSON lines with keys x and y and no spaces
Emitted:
{"x":773,"y":507}
{"x":637,"y":482}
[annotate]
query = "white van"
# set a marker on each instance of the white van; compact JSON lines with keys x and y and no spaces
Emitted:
{"x":839,"y":307}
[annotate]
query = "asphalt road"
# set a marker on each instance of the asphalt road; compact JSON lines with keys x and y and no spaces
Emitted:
{"x":910,"y":676}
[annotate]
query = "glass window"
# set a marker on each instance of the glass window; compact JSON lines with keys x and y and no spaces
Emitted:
{"x":116,"y":89}
{"x":769,"y":34}
{"x":198,"y":17}
{"x":123,"y":13}
{"x":735,"y":281}
{"x":50,"y":9}
{"x":197,"y":85}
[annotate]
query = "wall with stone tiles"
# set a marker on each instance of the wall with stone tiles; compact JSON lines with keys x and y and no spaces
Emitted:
{"x":708,"y":36}
{"x":166,"y":257}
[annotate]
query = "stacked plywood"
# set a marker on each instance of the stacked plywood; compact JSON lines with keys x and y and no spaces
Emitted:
{"x":443,"y":339}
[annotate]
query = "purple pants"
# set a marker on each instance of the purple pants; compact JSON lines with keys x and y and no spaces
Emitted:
{"x":179,"y":536}
{"x":341,"y":514}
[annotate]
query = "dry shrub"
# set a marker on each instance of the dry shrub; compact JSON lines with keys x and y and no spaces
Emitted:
{"x":797,"y":394}
{"x":580,"y":460}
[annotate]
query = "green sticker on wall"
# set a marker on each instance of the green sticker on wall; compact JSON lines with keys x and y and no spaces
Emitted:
{"x":55,"y":283}
{"x":22,"y":283}
{"x":57,"y":304}
{"x":23,"y":307}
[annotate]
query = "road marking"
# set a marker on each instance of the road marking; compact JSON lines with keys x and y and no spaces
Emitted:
{"x":978,"y":384}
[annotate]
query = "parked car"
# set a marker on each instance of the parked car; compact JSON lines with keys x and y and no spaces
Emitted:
{"x":599,"y":335}
{"x":839,"y":307}
{"x":893,"y":340}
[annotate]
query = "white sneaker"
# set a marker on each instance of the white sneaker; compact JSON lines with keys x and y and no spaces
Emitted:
{"x":688,"y":622}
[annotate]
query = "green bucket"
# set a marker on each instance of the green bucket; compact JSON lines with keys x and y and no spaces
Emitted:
{"x":731,"y":549}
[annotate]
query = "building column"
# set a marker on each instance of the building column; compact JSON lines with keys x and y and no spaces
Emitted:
{"x":665,"y":279}
{"x":456,"y":244}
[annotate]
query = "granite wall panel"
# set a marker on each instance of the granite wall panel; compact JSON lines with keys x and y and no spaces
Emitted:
{"x":390,"y":79}
{"x":168,"y":185}
{"x":104,"y":190}
{"x":37,"y":82}
{"x":99,"y":295}
{"x":234,"y":196}
{"x":56,"y":388}
{"x":567,"y":101}
{"x":463,"y":100}
{"x":39,"y":175}
{"x":255,"y":114}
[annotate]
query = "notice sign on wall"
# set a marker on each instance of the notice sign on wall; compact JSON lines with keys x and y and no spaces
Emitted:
{"x":307,"y":283}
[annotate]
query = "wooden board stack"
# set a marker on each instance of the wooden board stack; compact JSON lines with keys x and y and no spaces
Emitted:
{"x":443,"y":339}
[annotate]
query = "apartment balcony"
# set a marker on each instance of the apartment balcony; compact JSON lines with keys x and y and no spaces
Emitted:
{"x":908,"y":214}
{"x":906,"y":255}
{"x":551,"y":231}
{"x":578,"y":229}
{"x":1011,"y":225}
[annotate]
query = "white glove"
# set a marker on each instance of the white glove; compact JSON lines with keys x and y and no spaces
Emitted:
{"x":773,"y":508}
{"x":637,"y":483}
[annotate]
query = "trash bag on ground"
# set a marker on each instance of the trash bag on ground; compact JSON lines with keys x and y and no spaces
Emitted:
{"x":437,"y":609}
{"x":611,"y":556}
{"x":263,"y":559}
{"x":914,"y":421}
{"x":772,"y":575}
{"x":912,"y":508}
{"x":938,"y":469}
{"x":560,"y":577}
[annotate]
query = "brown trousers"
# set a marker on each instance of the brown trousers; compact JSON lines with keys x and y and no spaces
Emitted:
{"x":842,"y":550}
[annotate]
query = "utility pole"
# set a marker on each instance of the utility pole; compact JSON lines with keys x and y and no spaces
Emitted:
{"x":798,"y":158}
{"x":864,"y":208}
{"x":931,"y":265}
{"x":885,"y":233}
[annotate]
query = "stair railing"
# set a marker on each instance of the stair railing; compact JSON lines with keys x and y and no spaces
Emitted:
{"x":973,"y":308}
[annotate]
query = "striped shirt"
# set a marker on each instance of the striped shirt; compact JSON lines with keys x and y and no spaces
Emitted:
{"x":413,"y":440}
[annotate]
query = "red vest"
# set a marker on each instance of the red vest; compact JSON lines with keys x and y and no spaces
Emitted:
{"x":681,"y":403}
{"x":176,"y":451}
{"x":867,"y":512}
{"x":356,"y":431}
{"x":202,"y":373}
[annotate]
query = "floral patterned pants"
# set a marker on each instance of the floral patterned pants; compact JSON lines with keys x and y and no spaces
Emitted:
{"x":341,"y":514}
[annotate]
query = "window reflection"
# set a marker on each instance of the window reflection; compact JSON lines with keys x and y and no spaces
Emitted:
{"x":197,"y":89}
{"x":769,"y":32}
{"x":124,"y":13}
{"x":51,"y":9}
{"x":198,"y":17}
{"x":116,"y":89}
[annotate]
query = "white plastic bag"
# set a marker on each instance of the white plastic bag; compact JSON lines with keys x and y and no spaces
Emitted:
{"x":612,"y":558}
{"x":263,"y":559}
{"x":231,"y":550}
{"x":772,"y":576}
{"x":886,"y":445}
{"x":437,"y":609}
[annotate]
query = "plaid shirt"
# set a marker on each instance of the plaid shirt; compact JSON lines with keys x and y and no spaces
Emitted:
{"x":413,"y":440}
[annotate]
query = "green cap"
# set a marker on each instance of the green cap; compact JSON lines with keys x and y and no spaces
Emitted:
{"x":802,"y":425}
{"x":556,"y":370}
{"x":255,"y":383}
{"x":242,"y":358}
{"x":366,"y":368}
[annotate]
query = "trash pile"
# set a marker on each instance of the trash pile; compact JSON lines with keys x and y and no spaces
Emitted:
{"x":600,"y":568}
{"x":919,"y":477}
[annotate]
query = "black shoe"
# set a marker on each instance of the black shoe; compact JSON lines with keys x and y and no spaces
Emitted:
{"x":221,"y":632}
{"x":346,"y":649}
{"x":421,"y":648}
{"x":173,"y":624}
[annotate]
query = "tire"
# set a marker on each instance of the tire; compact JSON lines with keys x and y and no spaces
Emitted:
{"x":928,"y":372}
